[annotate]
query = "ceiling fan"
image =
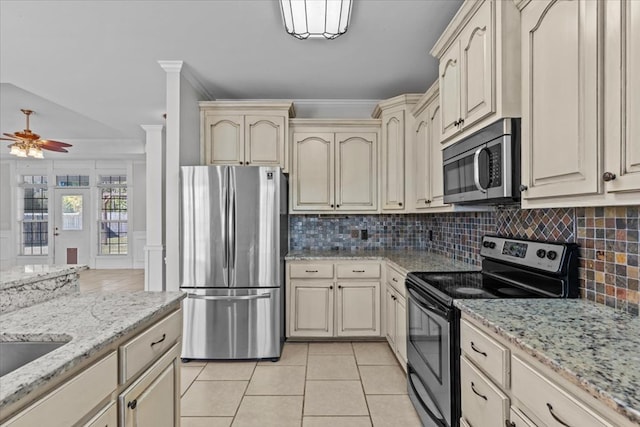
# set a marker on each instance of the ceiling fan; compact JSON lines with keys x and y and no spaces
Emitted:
{"x":28,"y":143}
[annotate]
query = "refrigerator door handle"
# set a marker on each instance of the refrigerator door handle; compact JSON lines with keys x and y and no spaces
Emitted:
{"x":231,"y":230}
{"x":225,"y":231}
{"x":229,"y":297}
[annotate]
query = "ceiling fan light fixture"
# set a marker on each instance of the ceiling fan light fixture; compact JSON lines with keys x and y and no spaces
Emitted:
{"x":17,"y":150}
{"x":305,"y":19}
{"x":35,"y":152}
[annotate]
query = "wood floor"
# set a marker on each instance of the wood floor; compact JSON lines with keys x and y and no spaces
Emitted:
{"x":313,"y":385}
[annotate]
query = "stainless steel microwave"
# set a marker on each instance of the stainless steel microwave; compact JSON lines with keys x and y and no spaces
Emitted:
{"x":485,"y":167}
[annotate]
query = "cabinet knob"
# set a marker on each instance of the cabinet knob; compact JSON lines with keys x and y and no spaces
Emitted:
{"x":246,"y":163}
{"x":608,"y":176}
{"x":339,"y":286}
{"x":331,"y":205}
{"x":337,"y":206}
{"x":240,"y":162}
{"x":508,"y":423}
{"x":461,"y":122}
{"x":428,"y":201}
{"x":523,"y":188}
{"x":331,"y":287}
{"x":400,"y":204}
{"x":132,"y":404}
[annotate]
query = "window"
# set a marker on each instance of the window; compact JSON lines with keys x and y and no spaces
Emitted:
{"x":113,"y":215}
{"x":35,"y":215}
{"x":72,"y":180}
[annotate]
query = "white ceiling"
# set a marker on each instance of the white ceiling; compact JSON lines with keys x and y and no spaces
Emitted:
{"x":89,"y":68}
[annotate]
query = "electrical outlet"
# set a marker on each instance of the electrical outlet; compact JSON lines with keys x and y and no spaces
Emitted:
{"x":364,"y":234}
{"x":430,"y":235}
{"x":355,"y":234}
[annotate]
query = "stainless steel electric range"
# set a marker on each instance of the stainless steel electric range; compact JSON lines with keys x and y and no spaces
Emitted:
{"x":511,"y":268}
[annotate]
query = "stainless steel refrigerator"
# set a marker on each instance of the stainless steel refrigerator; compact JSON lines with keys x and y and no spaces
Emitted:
{"x":234,"y":236}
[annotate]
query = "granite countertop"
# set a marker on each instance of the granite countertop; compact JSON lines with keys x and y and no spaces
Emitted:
{"x":90,"y":321}
{"x":21,"y":274}
{"x":589,"y":344}
{"x":408,"y":260}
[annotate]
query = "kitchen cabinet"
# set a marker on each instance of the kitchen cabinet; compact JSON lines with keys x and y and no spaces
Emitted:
{"x":502,"y":385}
{"x":396,"y":314}
{"x":479,"y":70}
{"x":426,"y":165}
{"x":333,"y":299}
{"x":135,"y":381}
{"x":580,"y":99}
{"x":335,"y":166}
{"x":397,"y":127}
{"x":245,"y":133}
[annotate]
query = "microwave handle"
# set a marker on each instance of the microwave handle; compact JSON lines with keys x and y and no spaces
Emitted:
{"x":476,"y":169}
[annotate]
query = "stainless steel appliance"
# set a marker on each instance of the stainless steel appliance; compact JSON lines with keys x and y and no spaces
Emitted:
{"x":511,"y":268}
{"x":234,"y":236}
{"x":485,"y":167}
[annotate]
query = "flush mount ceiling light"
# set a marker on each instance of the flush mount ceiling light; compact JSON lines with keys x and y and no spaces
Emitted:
{"x":305,"y":19}
{"x":28,"y":144}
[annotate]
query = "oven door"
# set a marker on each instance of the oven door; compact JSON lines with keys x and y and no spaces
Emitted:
{"x":429,"y":359}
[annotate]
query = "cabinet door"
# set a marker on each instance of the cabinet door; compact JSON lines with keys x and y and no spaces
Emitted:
{"x":422,"y":161}
{"x":477,"y":73}
{"x":358,"y":309}
{"x":436,"y":180}
{"x":622,"y":96}
{"x":311,"y":308}
{"x":224,"y":140}
{"x":264,"y":140}
{"x":390,"y":312}
{"x":560,"y":83}
{"x":313,"y":171}
{"x":401,"y":330}
{"x":153,"y":399}
{"x":449,"y":77}
{"x":393,"y":160}
{"x":356,"y":171}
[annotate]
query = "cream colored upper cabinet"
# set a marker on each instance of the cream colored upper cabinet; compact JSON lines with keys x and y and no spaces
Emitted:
{"x":436,"y":171}
{"x":622,"y":97}
{"x":264,"y":140}
{"x":561,"y":59}
{"x":422,"y":162}
{"x":449,"y":78}
{"x":335,"y":165}
{"x":313,"y":176}
{"x":479,"y":71}
{"x":245,"y":133}
{"x":356,"y":174}
{"x":393,"y":160}
{"x":224,"y":136}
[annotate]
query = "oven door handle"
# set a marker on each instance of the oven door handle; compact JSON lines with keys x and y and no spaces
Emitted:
{"x":437,"y":419}
{"x":476,"y":170}
{"x":445,"y":314}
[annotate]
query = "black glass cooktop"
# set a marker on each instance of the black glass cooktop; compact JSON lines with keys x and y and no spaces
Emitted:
{"x":472,"y":285}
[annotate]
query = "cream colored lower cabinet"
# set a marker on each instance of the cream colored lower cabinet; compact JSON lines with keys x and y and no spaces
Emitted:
{"x":537,"y":396}
{"x":107,"y":417}
{"x":396,"y":314}
{"x":154,"y":398}
{"x":333,"y":299}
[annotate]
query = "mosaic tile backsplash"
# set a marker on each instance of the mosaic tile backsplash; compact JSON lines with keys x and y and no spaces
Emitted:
{"x":608,"y":239}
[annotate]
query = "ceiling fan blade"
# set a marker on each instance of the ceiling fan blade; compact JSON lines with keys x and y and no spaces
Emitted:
{"x":53,"y":148}
{"x":12,"y":136}
{"x":54,"y":143}
{"x":8,"y":139}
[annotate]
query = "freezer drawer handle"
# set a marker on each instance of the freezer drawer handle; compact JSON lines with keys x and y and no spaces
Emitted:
{"x":229,"y":298}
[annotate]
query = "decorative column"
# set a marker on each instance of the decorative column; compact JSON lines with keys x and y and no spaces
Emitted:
{"x":172,"y":176}
{"x":154,"y":247}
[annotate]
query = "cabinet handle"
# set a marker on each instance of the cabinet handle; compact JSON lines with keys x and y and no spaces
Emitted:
{"x":164,"y":336}
{"x":311,"y":271}
{"x":473,"y":388}
{"x":473,"y":347}
{"x":523,"y":188}
{"x":555,"y":417}
{"x":461,"y":122}
{"x":358,"y":271}
{"x":456,"y":123}
{"x":394,"y":279}
{"x":393,"y":297}
{"x":608,"y":176}
{"x":508,"y":423}
{"x":132,"y":404}
{"x":331,"y":287}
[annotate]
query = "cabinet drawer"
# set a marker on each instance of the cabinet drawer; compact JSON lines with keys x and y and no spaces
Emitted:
{"x":108,"y":417}
{"x":518,"y":419}
{"x":310,"y":271}
{"x":396,"y":280}
{"x":357,"y":271}
{"x":485,"y":352}
{"x":547,"y":401}
{"x":149,"y":345}
{"x":483,"y":404}
{"x":67,"y":404}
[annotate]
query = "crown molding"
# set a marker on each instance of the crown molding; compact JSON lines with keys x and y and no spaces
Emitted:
{"x":171,"y":66}
{"x":152,"y":128}
{"x":258,"y":105}
{"x":335,"y":122}
{"x":431,"y":94}
{"x":197,"y":84}
{"x":407,"y":99}
{"x":451,"y":33}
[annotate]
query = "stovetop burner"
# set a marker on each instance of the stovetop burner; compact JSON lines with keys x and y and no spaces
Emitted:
{"x":471,"y":291}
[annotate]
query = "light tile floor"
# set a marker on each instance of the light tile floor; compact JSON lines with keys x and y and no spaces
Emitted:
{"x":328,"y":384}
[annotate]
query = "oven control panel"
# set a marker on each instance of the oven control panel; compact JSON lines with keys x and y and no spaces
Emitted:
{"x":541,"y":255}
